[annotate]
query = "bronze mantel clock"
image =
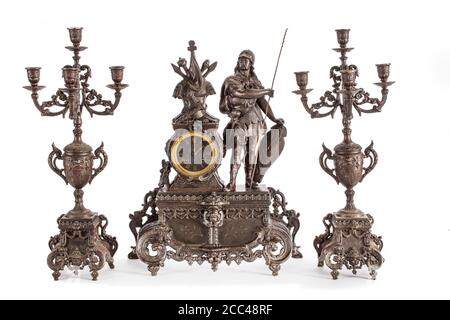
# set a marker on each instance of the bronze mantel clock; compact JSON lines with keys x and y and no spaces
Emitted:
{"x":194,"y":217}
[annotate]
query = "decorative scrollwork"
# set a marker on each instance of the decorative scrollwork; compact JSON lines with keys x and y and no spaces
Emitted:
{"x":56,"y":261}
{"x":59,"y":99}
{"x":100,"y":154}
{"x":164,"y":181}
{"x":362,"y":97}
{"x":321,"y":241}
{"x":112,"y":241}
{"x":229,"y":256}
{"x":141,"y":218}
{"x":334,"y":260}
{"x":85,"y":74}
{"x":370,"y":153}
{"x":95,"y":260}
{"x":156,"y":238}
{"x":92,"y":98}
{"x":56,"y":154}
{"x":277,"y":245}
{"x":288,"y":217}
{"x":53,"y":241}
{"x":323,"y":158}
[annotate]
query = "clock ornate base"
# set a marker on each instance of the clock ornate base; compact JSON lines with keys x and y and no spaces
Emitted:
{"x":214,"y":228}
{"x":82,"y":242}
{"x":348,"y":241}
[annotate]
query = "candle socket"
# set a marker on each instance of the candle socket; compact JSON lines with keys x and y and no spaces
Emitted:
{"x":302,"y":79}
{"x":348,"y":78}
{"x":34,"y":75}
{"x":75,"y":35}
{"x":383,"y":71}
{"x":70,"y":75}
{"x":117,"y":74}
{"x":342,"y":37}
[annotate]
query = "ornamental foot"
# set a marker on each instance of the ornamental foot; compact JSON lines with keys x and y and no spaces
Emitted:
{"x":94,"y":275}
{"x":274,"y":268}
{"x":373,"y":275}
{"x":132,"y":255}
{"x":56,"y":275}
{"x":153,"y":269}
{"x":335,"y":274}
{"x":320,"y":263}
{"x":111,"y":265}
{"x":296,"y":254}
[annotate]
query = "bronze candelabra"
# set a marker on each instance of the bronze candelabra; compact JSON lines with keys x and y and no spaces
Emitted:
{"x":348,"y":240}
{"x":82,"y":240}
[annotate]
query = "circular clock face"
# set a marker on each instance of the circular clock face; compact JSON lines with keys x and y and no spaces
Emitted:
{"x":194,"y":154}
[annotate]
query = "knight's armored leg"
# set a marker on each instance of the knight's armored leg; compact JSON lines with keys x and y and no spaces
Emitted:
{"x":234,"y":168}
{"x":249,"y":175}
{"x":251,"y":161}
{"x":235,"y":165}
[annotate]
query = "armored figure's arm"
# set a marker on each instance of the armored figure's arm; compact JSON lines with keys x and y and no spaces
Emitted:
{"x":265,"y":107}
{"x":251,"y":93}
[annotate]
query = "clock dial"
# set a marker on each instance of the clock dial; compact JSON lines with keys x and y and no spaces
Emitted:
{"x":194,"y":154}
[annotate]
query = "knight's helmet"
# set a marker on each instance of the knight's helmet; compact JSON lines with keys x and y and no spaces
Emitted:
{"x":193,"y":78}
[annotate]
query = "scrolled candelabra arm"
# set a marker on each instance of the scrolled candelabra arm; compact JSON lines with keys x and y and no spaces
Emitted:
{"x":370,"y":153}
{"x":55,"y":155}
{"x":92,"y":98}
{"x":363,"y":97}
{"x":323,"y":159}
{"x":101,"y":155}
{"x":328,"y":100}
{"x":59,"y":99}
{"x":85,"y":74}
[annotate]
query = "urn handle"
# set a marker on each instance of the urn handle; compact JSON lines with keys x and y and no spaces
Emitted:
{"x":56,"y":154}
{"x":101,"y":155}
{"x":370,"y":153}
{"x":324,"y":157}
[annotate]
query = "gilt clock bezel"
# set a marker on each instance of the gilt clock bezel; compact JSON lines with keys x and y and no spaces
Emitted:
{"x":212,"y":165}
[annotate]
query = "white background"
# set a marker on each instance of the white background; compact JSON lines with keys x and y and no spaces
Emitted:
{"x":407,"y":193}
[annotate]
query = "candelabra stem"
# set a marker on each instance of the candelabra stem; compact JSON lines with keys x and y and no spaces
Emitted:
{"x":77,"y":131}
{"x":347,"y":131}
{"x":79,"y":205}
{"x":76,"y":56}
{"x":343,"y":59}
{"x":350,"y":205}
{"x":347,"y":114}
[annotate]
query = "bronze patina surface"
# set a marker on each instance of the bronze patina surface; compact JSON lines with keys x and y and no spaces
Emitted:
{"x":348,"y":240}
{"x":193,"y":217}
{"x":82,"y":240}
